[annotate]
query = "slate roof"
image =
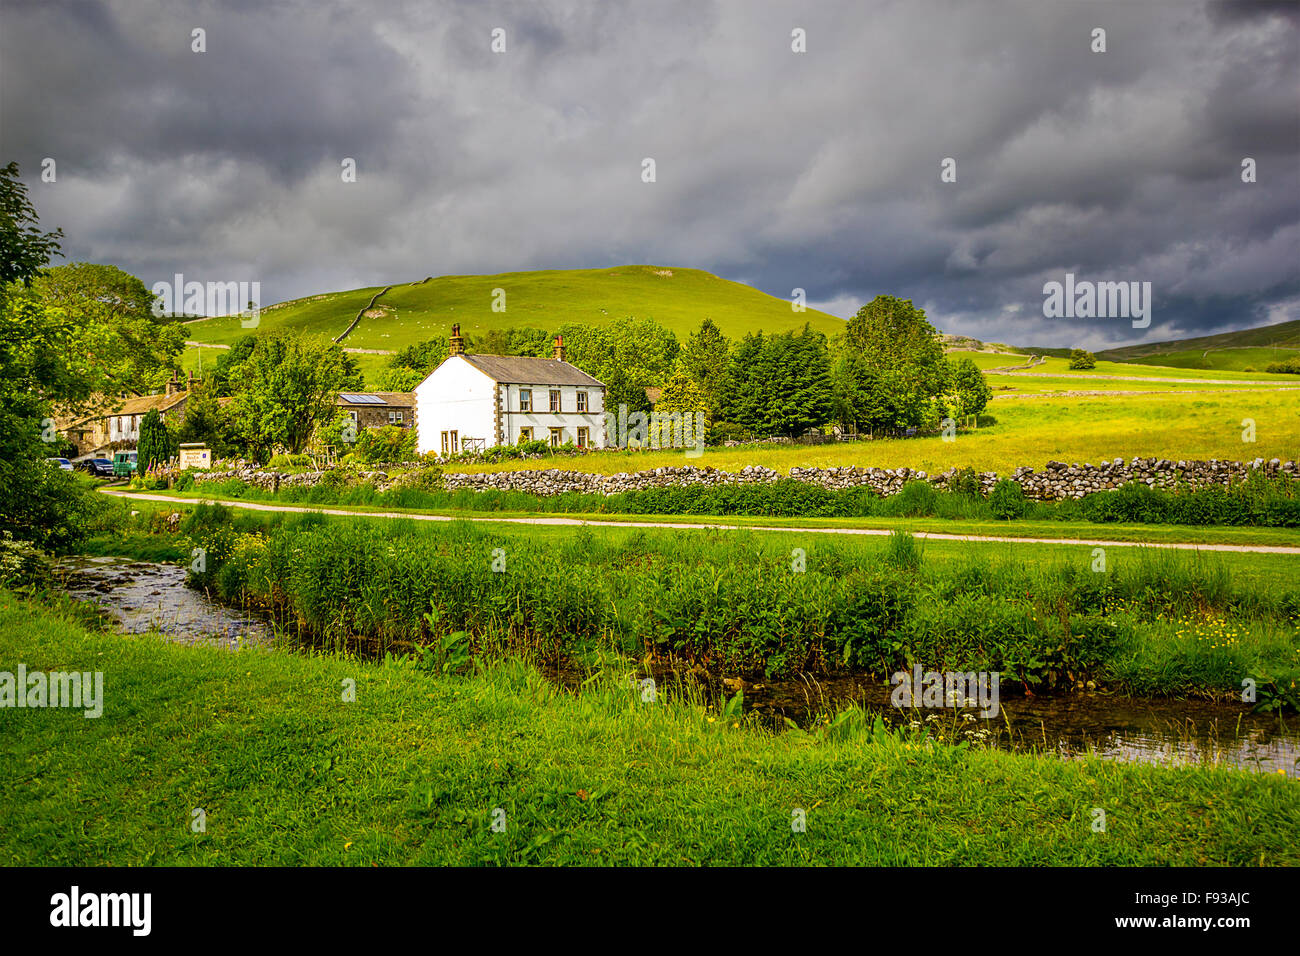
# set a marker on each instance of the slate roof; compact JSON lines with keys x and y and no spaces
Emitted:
{"x":525,"y":370}
{"x":398,"y":399}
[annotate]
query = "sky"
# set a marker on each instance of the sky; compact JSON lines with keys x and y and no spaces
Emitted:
{"x":818,"y":169}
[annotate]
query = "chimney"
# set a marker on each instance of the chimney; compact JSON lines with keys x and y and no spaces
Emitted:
{"x":173,"y":384}
{"x":559,"y":348}
{"x":457,"y":343}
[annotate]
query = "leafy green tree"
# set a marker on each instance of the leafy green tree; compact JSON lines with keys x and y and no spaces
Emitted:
{"x":621,"y":390}
{"x":970,"y":387}
{"x":24,"y":249}
{"x":704,"y":358}
{"x":397,"y":379}
{"x":207,"y":423}
{"x":40,"y":366}
{"x":289,"y":387}
{"x":1079,"y":359}
{"x":134,"y":350}
{"x":894,"y":338}
{"x":642,"y":348}
{"x":682,"y":394}
{"x":223,"y":377}
{"x":156,"y":445}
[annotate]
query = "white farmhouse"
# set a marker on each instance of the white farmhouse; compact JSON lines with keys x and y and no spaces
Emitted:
{"x":472,"y":402}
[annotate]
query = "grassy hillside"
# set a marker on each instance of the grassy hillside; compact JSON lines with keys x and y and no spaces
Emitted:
{"x":678,"y":299}
{"x":1240,"y":351}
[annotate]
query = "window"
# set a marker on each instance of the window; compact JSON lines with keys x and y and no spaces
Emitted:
{"x":450,"y":443}
{"x":582,"y":401}
{"x":352,"y":415}
{"x":525,"y":434}
{"x":445,"y":445}
{"x":394,"y":418}
{"x":455,"y":444}
{"x":525,"y":399}
{"x":555,"y":399}
{"x":557,"y":437}
{"x":582,"y":435}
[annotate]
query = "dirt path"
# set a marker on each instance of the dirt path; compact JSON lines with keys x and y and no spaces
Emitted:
{"x":689,"y":526}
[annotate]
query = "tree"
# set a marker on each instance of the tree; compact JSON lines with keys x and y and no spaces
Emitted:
{"x":894,"y":339}
{"x":642,"y":348}
{"x":621,"y":390}
{"x":1079,"y":359}
{"x":40,"y":366}
{"x":156,"y":445}
{"x":207,"y":423}
{"x":970,"y":387}
{"x":24,"y":249}
{"x":223,"y":378}
{"x":704,"y":359}
{"x":682,"y":394}
{"x":289,"y":386}
{"x":779,"y":384}
{"x":133,"y":351}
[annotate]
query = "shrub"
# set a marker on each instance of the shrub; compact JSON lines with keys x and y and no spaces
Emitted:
{"x":1007,"y":500}
{"x":1290,"y":366}
{"x":1079,"y":359}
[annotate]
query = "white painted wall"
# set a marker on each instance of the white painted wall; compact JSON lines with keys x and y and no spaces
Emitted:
{"x":455,"y":397}
{"x":541,"y":419}
{"x":458,"y":397}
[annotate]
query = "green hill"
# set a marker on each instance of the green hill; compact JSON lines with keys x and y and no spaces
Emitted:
{"x":1242,"y":351}
{"x":1230,"y":351}
{"x":678,"y":299}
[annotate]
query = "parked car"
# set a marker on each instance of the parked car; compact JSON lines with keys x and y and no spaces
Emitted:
{"x":98,"y":467}
{"x":61,"y":462}
{"x":124,"y":464}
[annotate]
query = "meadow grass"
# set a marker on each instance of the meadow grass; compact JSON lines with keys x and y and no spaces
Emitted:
{"x":411,"y":772}
{"x":1029,"y":430}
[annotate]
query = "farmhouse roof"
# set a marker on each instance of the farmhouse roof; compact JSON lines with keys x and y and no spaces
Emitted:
{"x":526,"y":370}
{"x":401,"y":399}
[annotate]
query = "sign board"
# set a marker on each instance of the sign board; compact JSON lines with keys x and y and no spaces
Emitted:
{"x":195,"y":456}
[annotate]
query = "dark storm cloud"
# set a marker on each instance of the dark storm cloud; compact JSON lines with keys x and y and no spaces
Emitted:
{"x":817,"y":170}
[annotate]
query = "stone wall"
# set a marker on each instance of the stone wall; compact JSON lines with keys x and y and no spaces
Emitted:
{"x":1056,"y":481}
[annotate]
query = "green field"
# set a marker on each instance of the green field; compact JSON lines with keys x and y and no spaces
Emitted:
{"x":678,"y":299}
{"x":1029,"y":430}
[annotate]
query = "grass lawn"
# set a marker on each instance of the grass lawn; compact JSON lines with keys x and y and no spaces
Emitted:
{"x":411,"y":772}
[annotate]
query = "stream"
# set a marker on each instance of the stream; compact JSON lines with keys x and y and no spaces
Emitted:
{"x":145,"y":596}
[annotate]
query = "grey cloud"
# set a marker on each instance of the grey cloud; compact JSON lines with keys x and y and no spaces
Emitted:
{"x":816,"y":170}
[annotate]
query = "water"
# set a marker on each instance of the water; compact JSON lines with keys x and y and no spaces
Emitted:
{"x":143,"y":596}
{"x":1143,"y":730}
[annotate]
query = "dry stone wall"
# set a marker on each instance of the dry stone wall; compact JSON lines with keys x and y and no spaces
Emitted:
{"x":1056,"y":481}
